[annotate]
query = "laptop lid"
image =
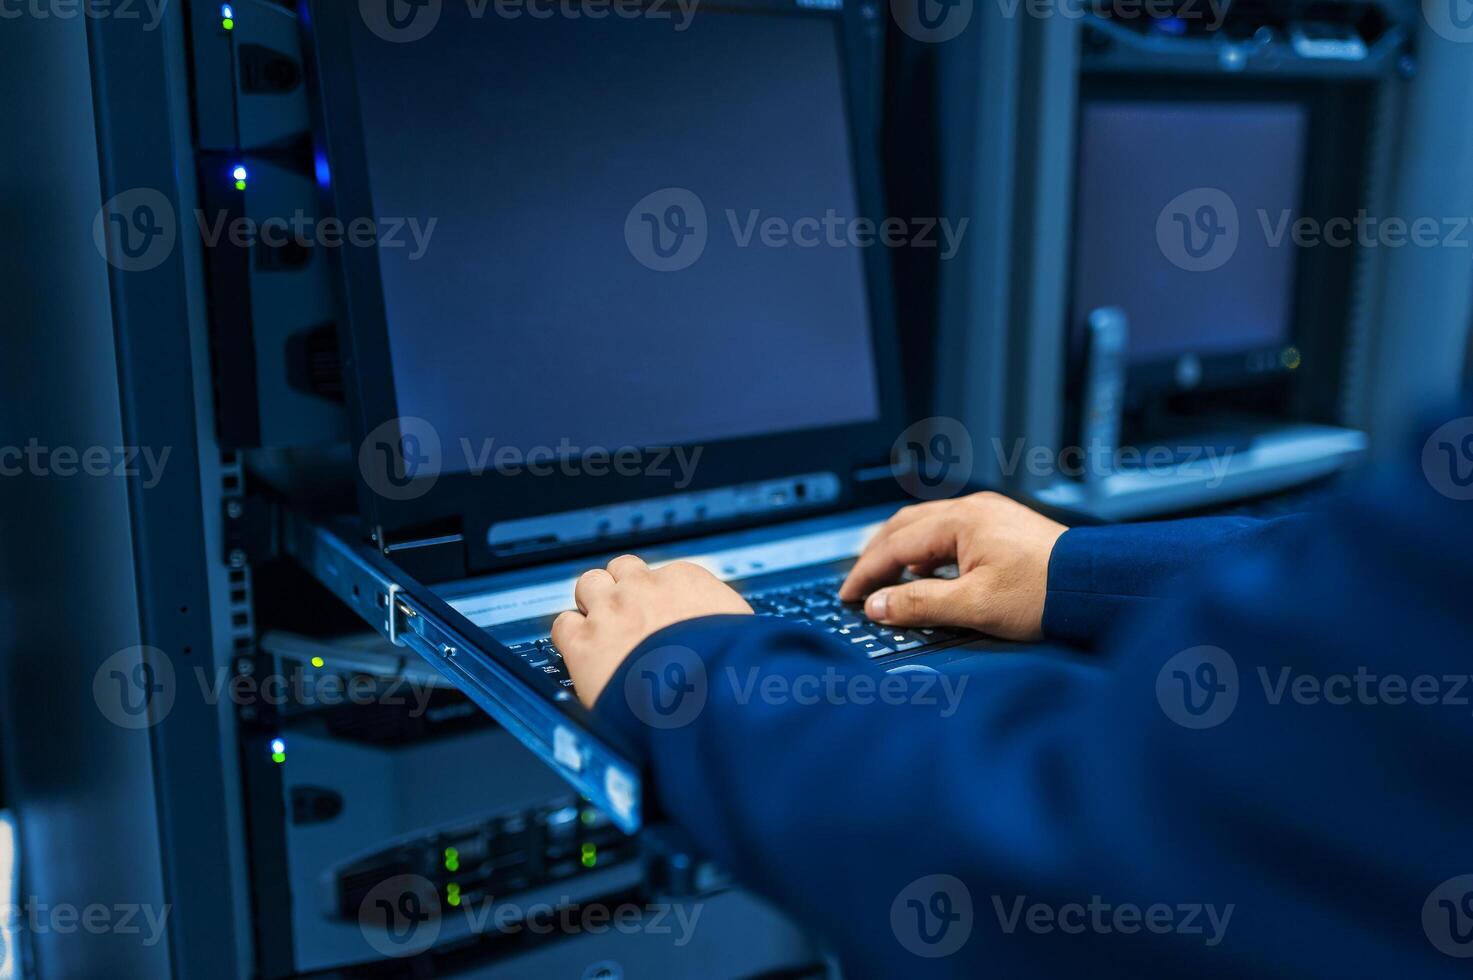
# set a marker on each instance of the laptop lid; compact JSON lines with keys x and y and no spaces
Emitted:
{"x":625,"y":282}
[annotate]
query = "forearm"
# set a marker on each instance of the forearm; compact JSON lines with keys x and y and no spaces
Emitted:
{"x":829,"y":786}
{"x":1098,"y":575}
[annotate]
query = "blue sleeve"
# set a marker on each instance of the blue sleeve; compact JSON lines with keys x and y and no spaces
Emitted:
{"x":1097,"y":575}
{"x":1203,"y":805}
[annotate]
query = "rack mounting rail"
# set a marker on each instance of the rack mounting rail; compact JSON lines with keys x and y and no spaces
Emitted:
{"x":557,"y":729}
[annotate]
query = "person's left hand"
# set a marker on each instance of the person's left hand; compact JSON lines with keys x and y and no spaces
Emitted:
{"x":620,"y":607}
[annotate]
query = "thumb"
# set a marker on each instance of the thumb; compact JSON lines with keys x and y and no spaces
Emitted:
{"x":928,"y":602}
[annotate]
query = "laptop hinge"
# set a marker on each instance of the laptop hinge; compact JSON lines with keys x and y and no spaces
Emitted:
{"x":429,"y":558}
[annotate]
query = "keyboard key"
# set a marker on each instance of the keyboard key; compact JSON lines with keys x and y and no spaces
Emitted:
{"x":903,"y":641}
{"x":873,"y":648}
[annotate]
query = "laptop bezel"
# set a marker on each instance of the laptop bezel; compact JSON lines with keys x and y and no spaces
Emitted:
{"x":467,"y":504}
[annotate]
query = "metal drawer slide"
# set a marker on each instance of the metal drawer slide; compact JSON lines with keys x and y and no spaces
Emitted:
{"x":553,"y":725}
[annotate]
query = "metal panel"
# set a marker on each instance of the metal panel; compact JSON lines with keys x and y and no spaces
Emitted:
{"x":134,"y":95}
{"x":1427,"y":293}
{"x":80,"y":785}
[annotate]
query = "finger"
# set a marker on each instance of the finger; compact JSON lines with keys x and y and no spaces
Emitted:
{"x":929,"y":602}
{"x":566,"y":629}
{"x":906,"y":516}
{"x":593,"y":587}
{"x":928,"y":543}
{"x":626,"y":565}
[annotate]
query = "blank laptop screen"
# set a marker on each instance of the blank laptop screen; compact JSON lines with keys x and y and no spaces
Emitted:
{"x":640,"y":232}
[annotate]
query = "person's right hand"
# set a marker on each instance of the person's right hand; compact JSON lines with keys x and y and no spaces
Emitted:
{"x":1001,"y":550}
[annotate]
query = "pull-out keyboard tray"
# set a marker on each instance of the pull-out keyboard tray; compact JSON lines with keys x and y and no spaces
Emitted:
{"x":549,"y":722}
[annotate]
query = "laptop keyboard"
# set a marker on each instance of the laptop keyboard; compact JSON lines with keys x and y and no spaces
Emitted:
{"x":815,"y":603}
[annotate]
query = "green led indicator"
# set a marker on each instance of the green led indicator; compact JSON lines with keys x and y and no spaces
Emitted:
{"x":452,"y":893}
{"x":588,"y":817}
{"x":452,"y":859}
{"x":278,"y":757}
{"x":590,"y":855}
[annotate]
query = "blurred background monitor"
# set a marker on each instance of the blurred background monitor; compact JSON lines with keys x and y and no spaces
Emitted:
{"x":1182,"y":220}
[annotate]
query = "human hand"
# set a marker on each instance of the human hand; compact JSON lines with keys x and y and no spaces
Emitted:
{"x":619,"y":607}
{"x":1001,"y":549}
